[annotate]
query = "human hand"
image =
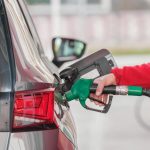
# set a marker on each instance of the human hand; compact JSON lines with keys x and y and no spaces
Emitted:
{"x":103,"y":81}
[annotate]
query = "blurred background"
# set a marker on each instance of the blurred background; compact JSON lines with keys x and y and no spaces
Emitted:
{"x":121,"y":26}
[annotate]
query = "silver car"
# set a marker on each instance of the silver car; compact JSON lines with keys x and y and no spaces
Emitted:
{"x":32,"y":114}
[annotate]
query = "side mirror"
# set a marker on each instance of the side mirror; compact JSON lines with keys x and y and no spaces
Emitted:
{"x":66,"y":49}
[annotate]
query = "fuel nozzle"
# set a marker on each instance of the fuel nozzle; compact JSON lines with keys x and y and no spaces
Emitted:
{"x":82,"y":88}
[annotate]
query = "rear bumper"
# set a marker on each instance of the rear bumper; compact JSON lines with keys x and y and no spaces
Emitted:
{"x":39,"y":140}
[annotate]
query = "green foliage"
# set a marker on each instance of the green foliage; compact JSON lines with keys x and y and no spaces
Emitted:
{"x":130,"y":51}
{"x":38,"y":1}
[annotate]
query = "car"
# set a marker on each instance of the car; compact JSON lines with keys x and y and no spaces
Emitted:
{"x":32,"y":114}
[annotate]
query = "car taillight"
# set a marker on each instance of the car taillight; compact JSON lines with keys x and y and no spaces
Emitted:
{"x":33,"y":108}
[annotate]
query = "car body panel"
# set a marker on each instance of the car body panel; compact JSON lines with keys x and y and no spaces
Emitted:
{"x":32,"y":71}
{"x":40,"y":140}
{"x":29,"y":66}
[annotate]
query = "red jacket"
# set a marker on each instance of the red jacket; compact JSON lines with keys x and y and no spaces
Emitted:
{"x":133,"y":75}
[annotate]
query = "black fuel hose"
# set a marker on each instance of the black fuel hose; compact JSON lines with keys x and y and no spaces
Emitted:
{"x":122,"y":90}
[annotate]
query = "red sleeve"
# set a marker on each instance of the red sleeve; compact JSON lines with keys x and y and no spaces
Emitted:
{"x":133,"y":75}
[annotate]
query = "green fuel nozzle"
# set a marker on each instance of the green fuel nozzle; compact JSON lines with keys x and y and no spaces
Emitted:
{"x":82,"y":88}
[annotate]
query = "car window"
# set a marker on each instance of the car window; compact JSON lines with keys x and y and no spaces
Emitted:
{"x":27,"y":46}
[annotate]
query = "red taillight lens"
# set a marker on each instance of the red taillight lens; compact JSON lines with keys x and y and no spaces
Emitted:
{"x":33,"y":108}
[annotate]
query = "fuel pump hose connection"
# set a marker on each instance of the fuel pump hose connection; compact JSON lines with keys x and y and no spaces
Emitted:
{"x":82,"y":88}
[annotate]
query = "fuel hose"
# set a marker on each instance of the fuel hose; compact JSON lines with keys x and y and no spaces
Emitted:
{"x":122,"y":90}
